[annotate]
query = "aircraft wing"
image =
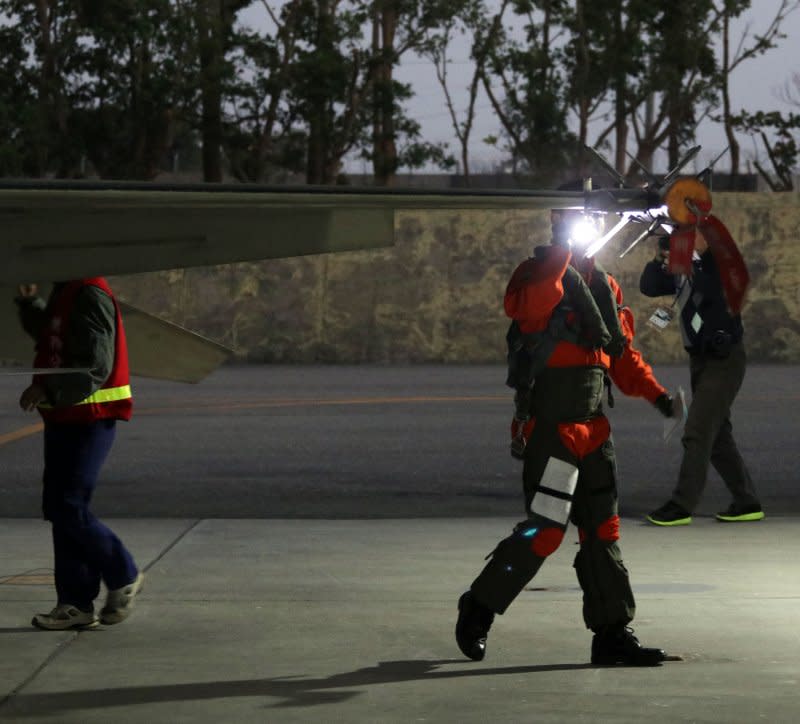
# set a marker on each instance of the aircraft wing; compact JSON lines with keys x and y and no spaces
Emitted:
{"x":53,"y":230}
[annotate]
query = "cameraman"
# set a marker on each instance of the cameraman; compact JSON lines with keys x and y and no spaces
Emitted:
{"x":713,"y":339}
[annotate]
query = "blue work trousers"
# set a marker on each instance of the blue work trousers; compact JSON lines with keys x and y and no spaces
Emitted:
{"x":85,"y":550}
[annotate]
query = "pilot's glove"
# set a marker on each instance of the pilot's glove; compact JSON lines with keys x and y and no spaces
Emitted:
{"x":616,"y":346}
{"x":665,"y":405}
{"x":521,"y":428}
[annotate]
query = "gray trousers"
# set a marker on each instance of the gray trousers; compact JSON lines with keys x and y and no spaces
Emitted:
{"x":708,"y":435}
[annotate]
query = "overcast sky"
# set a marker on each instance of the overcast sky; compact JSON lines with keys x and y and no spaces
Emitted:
{"x":755,"y":85}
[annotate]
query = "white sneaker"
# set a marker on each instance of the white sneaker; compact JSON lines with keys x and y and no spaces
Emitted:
{"x":119,"y":602}
{"x":65,"y":616}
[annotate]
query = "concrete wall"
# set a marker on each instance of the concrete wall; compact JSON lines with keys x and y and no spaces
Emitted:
{"x":436,"y":296}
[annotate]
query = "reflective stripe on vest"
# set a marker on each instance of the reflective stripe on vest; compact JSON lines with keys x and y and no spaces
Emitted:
{"x":107,"y":394}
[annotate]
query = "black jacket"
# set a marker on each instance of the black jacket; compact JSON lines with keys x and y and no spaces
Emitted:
{"x":706,"y":324}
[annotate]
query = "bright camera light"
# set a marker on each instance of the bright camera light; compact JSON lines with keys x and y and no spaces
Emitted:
{"x":583,"y":231}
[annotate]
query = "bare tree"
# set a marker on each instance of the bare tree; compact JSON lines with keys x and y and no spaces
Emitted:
{"x":485,"y":31}
{"x":747,"y":48}
{"x":259,"y":135}
{"x":214,"y":22}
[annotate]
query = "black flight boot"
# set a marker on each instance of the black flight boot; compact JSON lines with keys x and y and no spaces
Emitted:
{"x":472,"y":627}
{"x":617,"y":645}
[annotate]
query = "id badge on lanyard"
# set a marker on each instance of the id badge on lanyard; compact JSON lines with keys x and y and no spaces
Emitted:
{"x":662,"y":316}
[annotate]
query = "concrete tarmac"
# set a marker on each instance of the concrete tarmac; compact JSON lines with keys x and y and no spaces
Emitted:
{"x":306,"y":533}
{"x":352,"y":621}
{"x":370,"y":441}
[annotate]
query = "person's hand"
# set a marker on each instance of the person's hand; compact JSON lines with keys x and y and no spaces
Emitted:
{"x":665,"y":405}
{"x":662,"y":251}
{"x":616,"y":347}
{"x":521,"y":429}
{"x":32,"y":396}
{"x":28,"y":291}
{"x":700,"y":243}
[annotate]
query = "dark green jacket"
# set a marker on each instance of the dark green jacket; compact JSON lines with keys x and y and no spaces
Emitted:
{"x":89,"y":343}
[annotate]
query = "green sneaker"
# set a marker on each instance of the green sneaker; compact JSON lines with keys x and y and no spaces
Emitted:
{"x":670,"y":514}
{"x":735,"y":513}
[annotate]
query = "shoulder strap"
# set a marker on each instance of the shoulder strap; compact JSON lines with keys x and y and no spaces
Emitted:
{"x":606,"y":301}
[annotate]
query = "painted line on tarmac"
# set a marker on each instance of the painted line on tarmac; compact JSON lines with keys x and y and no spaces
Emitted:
{"x":29,"y":430}
{"x":21,"y":433}
{"x":317,"y":403}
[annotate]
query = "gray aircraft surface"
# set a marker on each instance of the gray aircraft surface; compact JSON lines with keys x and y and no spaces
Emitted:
{"x":53,"y":230}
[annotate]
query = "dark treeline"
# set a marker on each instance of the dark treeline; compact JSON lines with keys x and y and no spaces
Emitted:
{"x":125,"y":89}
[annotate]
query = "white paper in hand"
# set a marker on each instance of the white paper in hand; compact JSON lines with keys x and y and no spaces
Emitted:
{"x":678,"y":419}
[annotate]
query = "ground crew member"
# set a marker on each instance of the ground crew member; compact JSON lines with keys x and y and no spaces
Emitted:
{"x":80,"y":326}
{"x":713,"y":338}
{"x":569,"y":466}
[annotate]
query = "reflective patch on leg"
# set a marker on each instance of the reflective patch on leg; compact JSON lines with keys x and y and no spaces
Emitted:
{"x":559,"y":475}
{"x":563,"y":477}
{"x":555,"y":509}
